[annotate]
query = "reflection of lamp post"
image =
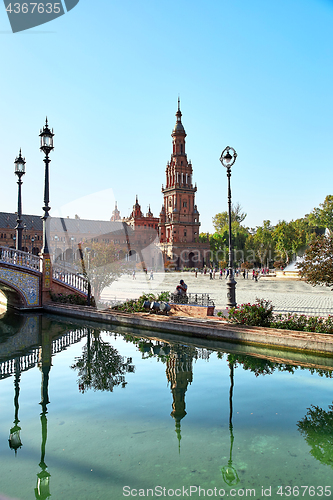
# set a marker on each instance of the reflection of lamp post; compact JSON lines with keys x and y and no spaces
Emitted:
{"x":46,"y":146}
{"x":227,"y":161}
{"x":19,"y":171}
{"x":42,"y":490}
{"x":14,"y":433}
{"x":229,"y":473}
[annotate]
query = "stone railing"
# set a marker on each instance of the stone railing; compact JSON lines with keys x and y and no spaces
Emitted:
{"x":26,"y":361}
{"x":74,"y":280}
{"x":19,"y":258}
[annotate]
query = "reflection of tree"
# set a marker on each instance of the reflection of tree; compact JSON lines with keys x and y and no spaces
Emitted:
{"x":317,"y":428}
{"x":101,"y":367}
{"x":259,"y":366}
{"x":263,"y":366}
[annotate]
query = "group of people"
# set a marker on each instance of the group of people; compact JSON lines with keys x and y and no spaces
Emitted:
{"x":224,"y":273}
{"x":151,"y":275}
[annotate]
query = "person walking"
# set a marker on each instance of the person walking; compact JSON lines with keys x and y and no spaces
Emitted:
{"x":151,"y":277}
{"x":133,"y":274}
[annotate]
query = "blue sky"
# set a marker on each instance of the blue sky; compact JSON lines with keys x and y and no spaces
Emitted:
{"x":256,"y":76}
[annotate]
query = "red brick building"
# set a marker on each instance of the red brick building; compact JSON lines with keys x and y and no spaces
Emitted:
{"x":179,"y":218}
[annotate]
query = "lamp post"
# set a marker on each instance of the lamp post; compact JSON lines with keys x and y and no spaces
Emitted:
{"x":46,"y":146}
{"x":228,"y":158}
{"x":19,"y":171}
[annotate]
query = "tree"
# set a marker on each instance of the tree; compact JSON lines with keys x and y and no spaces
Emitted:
{"x":323,"y":217}
{"x":283,"y":235}
{"x":103,"y":266}
{"x":221,"y":220}
{"x":263,"y":241}
{"x":317,"y":266}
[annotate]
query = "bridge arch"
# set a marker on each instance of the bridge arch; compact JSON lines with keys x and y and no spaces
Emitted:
{"x":20,"y":278}
{"x":21,"y":287}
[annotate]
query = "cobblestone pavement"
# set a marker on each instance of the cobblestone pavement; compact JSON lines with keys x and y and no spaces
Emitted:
{"x":286,"y":295}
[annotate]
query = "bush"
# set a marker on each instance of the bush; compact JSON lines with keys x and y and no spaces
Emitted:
{"x":303,"y":323}
{"x":261,"y":314}
{"x":258,"y":314}
{"x":71,"y":298}
{"x":136,"y":305}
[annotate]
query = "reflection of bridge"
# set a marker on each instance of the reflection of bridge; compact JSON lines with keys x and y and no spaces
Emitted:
{"x":29,"y":360}
{"x":27,"y":279}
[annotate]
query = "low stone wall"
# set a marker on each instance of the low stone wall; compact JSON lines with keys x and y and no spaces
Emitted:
{"x":208,"y":328}
{"x":192,"y":311}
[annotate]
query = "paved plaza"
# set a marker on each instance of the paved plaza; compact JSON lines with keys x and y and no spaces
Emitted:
{"x":286,"y":295}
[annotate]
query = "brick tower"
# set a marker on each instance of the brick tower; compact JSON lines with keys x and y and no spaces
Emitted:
{"x":179,"y":218}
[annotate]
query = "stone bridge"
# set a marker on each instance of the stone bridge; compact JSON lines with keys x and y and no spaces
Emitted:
{"x":28,"y":280}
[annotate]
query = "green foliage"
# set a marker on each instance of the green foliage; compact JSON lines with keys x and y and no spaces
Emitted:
{"x":71,"y":298}
{"x":323,"y":217}
{"x":221,"y":220}
{"x":136,"y":305}
{"x":259,"y":366}
{"x":261,"y":314}
{"x":101,"y":367}
{"x":258,"y":314}
{"x":303,"y":323}
{"x":317,"y":266}
{"x":317,"y":428}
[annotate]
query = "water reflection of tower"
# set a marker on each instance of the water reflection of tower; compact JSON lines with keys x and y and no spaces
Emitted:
{"x":179,"y":373}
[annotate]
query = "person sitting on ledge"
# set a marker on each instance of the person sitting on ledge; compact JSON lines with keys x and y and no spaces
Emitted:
{"x":181,"y":289}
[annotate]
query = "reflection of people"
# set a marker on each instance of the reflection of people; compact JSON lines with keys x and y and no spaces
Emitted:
{"x":181,"y":288}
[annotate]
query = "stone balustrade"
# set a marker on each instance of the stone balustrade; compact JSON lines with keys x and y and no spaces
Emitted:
{"x":19,"y":258}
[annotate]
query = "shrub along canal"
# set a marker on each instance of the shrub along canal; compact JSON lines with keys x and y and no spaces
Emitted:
{"x":90,"y":412}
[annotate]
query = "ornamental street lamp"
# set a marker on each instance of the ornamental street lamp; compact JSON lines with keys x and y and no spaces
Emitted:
{"x":228,"y":158}
{"x":19,"y":171}
{"x":46,"y":146}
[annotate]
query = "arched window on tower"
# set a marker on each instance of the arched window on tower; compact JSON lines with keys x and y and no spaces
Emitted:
{"x":181,"y":149}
